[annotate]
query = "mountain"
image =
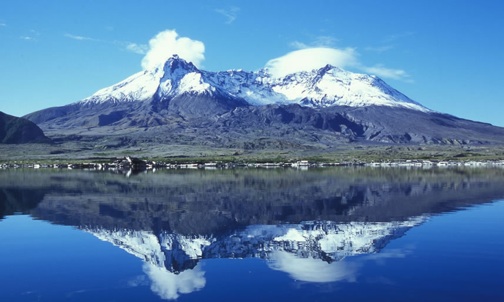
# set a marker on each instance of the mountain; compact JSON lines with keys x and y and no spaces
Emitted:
{"x":15,"y":130}
{"x":180,"y":104}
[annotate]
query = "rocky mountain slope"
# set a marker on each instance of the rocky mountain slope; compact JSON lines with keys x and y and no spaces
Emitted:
{"x":180,"y":104}
{"x":15,"y":130}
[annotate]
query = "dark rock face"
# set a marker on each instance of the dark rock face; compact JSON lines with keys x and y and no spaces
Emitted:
{"x":232,"y":123}
{"x":15,"y":130}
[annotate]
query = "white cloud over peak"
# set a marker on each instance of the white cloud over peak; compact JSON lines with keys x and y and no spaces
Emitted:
{"x":168,"y":43}
{"x":308,"y":59}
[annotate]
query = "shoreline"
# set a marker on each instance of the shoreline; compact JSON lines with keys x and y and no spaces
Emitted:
{"x":137,"y":164}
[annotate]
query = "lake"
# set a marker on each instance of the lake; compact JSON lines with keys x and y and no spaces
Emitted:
{"x":331,"y":234}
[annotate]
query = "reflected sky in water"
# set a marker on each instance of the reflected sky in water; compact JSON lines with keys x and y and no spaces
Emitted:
{"x":351,"y":234}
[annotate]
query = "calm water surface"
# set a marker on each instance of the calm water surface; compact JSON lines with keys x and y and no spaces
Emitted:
{"x":340,"y":234}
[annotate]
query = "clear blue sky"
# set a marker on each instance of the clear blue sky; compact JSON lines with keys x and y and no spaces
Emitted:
{"x":446,"y":54}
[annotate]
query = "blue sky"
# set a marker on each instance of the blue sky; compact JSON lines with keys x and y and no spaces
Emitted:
{"x":446,"y":54}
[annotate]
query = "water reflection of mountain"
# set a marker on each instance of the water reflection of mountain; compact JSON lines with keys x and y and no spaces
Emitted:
{"x":323,"y":240}
{"x":302,"y":222}
{"x":213,"y":202}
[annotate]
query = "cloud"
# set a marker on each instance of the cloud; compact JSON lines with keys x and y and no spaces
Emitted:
{"x":388,"y":73}
{"x":311,"y":58}
{"x":140,"y":49}
{"x":231,"y":14}
{"x":33,"y":36}
{"x":167,"y":43}
{"x":2,"y":24}
{"x":169,"y":286}
{"x":79,"y":38}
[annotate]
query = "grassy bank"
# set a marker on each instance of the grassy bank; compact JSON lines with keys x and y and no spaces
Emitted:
{"x":78,"y":153}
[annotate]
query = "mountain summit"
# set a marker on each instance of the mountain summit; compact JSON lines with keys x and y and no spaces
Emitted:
{"x":322,"y":108}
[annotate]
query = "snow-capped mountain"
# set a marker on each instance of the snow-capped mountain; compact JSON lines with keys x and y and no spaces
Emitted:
{"x":178,"y":104}
{"x":323,"y":87}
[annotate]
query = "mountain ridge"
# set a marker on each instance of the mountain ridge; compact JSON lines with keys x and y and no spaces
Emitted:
{"x":257,"y":88}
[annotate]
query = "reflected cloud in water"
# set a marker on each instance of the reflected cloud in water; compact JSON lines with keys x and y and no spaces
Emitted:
{"x":170,"y":286}
{"x":313,"y":270}
{"x":318,"y":271}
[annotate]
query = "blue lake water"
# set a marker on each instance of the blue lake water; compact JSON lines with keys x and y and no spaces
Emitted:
{"x":253,"y":235}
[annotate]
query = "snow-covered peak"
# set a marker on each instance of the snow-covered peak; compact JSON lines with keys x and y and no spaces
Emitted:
{"x":323,"y":87}
{"x":177,"y":67}
{"x":333,"y":86}
{"x":175,"y":77}
{"x":181,"y":77}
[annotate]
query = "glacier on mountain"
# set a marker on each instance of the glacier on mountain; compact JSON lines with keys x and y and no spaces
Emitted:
{"x":323,"y":87}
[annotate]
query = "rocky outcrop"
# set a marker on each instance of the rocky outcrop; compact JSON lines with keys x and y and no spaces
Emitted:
{"x":15,"y":130}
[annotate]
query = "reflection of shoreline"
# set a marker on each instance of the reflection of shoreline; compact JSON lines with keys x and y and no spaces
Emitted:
{"x":199,"y":202}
